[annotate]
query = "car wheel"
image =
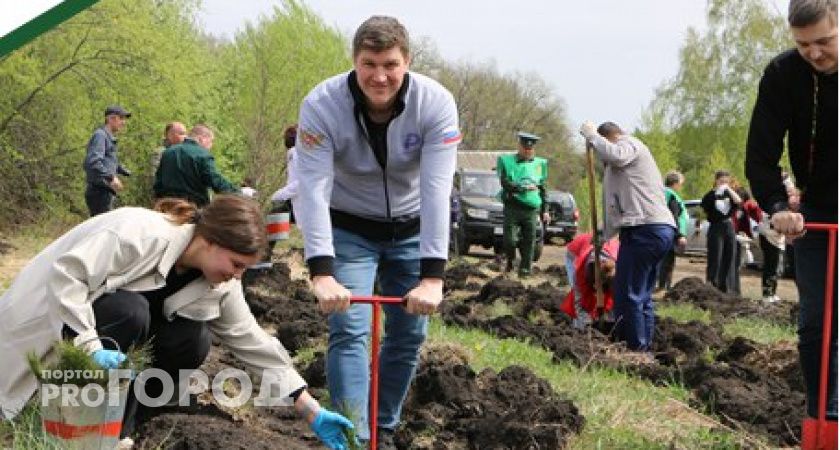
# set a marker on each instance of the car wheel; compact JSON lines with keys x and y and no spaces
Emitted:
{"x":462,"y":246}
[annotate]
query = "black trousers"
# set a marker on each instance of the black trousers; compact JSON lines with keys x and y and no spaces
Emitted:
{"x":771,"y":268}
{"x":722,"y":260}
{"x":99,"y":199}
{"x":128,"y":318}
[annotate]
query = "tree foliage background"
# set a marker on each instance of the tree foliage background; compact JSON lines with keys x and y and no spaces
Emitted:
{"x":699,"y":119}
{"x":152,"y":57}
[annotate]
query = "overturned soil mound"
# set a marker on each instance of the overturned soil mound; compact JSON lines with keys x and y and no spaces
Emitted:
{"x":452,"y":407}
{"x":279,"y":302}
{"x":207,"y":427}
{"x":703,"y":295}
{"x":780,"y":359}
{"x":736,"y":385}
{"x":205,"y":424}
{"x":461,"y":276}
{"x":746,"y":397}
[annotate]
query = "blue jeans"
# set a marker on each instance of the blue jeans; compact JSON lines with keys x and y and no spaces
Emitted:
{"x":642,"y":248}
{"x":810,"y":260}
{"x":348,"y":366}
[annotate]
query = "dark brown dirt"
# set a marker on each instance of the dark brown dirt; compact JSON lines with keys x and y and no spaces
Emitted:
{"x":695,"y":291}
{"x":207,"y":425}
{"x":457,"y":275}
{"x":285,"y":304}
{"x":749,"y":386}
{"x":737,"y":387}
{"x":452,"y":407}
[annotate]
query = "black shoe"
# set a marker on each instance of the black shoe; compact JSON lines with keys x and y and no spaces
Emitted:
{"x":385,"y":439}
{"x":509,"y":266}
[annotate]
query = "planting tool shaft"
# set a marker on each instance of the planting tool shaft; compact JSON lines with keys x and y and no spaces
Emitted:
{"x":376,"y":302}
{"x":596,"y":239}
{"x":819,"y":433}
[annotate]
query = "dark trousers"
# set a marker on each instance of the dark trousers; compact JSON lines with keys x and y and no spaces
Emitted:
{"x":722,"y":257}
{"x":520,"y":230}
{"x":642,"y":248}
{"x":811,"y":252}
{"x":127,"y":318}
{"x":99,"y":199}
{"x":770,"y":268}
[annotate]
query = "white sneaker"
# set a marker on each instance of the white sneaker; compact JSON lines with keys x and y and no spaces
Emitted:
{"x":125,"y":444}
{"x":770,"y":299}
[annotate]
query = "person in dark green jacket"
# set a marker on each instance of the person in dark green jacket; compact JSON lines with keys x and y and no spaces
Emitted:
{"x":187,"y":170}
{"x":523,"y":178}
{"x":673,"y":183}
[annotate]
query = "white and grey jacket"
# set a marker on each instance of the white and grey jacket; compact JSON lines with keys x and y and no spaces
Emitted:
{"x":342,"y":181}
{"x":633,"y":193}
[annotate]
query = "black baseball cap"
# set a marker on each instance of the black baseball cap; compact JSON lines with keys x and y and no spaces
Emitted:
{"x":118,"y":110}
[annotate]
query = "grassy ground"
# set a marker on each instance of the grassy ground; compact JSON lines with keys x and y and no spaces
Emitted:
{"x":758,"y":330}
{"x":26,"y":243}
{"x":622,"y":411}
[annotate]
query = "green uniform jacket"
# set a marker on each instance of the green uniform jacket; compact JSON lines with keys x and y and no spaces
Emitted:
{"x":681,"y":218}
{"x":187,"y":170}
{"x":516,"y":175}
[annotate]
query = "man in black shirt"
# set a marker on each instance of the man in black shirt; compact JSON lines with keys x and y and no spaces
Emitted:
{"x":797,"y":97}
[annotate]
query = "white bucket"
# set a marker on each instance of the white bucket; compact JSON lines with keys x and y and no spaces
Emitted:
{"x":80,"y":426}
{"x":277,"y":226}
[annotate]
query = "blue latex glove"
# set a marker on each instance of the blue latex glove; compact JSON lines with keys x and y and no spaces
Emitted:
{"x":328,"y":426}
{"x":108,"y":359}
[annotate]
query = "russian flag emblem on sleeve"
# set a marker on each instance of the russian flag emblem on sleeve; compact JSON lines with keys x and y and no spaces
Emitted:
{"x":451,"y":135}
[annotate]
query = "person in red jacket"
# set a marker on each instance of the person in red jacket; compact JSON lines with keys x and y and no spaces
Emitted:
{"x":581,"y":302}
{"x":741,"y":215}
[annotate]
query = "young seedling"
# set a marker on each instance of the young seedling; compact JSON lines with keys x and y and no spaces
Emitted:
{"x":79,"y":365}
{"x":350,"y":433}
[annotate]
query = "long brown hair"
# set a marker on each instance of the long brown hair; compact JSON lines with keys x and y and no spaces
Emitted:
{"x":230,"y":221}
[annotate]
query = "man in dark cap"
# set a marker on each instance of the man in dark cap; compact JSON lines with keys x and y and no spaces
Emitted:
{"x":523,"y":178}
{"x":101,"y":163}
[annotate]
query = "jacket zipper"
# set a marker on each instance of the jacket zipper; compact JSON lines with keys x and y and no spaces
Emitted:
{"x":361,"y":121}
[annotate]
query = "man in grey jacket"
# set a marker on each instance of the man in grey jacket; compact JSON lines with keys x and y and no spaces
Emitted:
{"x":376,"y":156}
{"x":101,"y":163}
{"x":636,"y":210}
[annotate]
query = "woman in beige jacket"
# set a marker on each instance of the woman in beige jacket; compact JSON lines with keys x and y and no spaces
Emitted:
{"x":168,"y":278}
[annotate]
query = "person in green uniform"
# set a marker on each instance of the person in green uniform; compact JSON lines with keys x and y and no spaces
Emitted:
{"x":187,"y":170}
{"x":673,"y":184}
{"x":523,"y":179}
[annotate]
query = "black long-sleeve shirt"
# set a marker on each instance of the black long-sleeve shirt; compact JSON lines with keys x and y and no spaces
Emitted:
{"x":785,"y":106}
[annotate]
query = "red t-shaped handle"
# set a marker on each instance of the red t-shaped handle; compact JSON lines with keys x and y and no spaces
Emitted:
{"x":375,"y":301}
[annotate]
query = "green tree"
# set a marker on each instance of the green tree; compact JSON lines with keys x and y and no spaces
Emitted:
{"x":272,"y":65}
{"x":707,"y":105}
{"x":146,"y":55}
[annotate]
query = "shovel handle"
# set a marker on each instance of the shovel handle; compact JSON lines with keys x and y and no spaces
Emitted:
{"x":828,"y":309}
{"x":373,"y":407}
{"x":376,"y":299}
